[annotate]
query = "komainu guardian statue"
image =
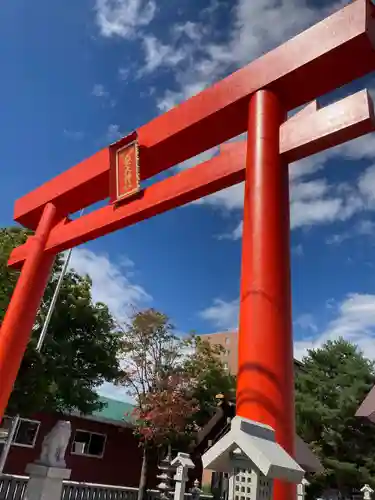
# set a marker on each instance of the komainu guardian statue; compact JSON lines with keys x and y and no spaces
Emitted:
{"x":55,"y":444}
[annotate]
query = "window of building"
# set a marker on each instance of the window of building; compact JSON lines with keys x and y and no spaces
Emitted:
{"x":89,"y":444}
{"x":5,"y":428}
{"x":26,"y":433}
{"x":227,"y":340}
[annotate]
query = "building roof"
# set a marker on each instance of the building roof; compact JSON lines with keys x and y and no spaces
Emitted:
{"x":114,"y":412}
{"x":114,"y":409}
{"x":367,"y":407}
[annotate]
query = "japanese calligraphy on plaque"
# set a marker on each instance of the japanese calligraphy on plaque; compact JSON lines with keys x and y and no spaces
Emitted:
{"x":127,"y":171}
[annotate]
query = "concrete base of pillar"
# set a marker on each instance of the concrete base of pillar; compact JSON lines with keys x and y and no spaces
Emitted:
{"x":45,"y":483}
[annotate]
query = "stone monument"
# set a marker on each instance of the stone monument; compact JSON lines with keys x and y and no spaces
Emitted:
{"x":47,"y":474}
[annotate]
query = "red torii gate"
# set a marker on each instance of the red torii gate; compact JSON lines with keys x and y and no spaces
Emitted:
{"x":254,"y":99}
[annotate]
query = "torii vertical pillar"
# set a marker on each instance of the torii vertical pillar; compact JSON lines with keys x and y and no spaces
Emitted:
{"x":20,"y":316}
{"x":265,"y":383}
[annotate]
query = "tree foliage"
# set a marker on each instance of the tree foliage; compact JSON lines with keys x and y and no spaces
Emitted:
{"x":166,"y":414}
{"x":80,"y":350}
{"x":207,"y":376}
{"x":335,"y":380}
{"x":173,"y":381}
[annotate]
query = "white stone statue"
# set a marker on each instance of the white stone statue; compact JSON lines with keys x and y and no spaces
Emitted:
{"x":55,"y":444}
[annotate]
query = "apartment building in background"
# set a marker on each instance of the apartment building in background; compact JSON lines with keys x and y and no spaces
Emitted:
{"x":229,"y":341}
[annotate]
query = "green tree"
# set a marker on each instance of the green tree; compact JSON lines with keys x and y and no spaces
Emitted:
{"x":9,"y":239}
{"x":208,"y":377}
{"x":80,"y":350}
{"x":335,"y":380}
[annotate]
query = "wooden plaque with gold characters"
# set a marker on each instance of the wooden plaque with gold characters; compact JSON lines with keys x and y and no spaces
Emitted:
{"x":124,"y":178}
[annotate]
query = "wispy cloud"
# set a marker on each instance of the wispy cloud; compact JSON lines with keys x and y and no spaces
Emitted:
{"x":195,"y":58}
{"x":315,"y":201}
{"x":123,"y":73}
{"x":112,"y":283}
{"x":354,"y":321}
{"x":205,"y":60}
{"x":306,"y":322}
{"x":221,"y":314}
{"x":158,"y":55}
{"x":361,"y":228}
{"x":99,"y":90}
{"x":121,"y":18}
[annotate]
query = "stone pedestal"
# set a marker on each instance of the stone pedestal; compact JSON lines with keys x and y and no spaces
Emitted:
{"x":45,"y":483}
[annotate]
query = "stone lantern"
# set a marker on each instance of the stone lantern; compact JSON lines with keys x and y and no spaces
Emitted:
{"x":253,"y":459}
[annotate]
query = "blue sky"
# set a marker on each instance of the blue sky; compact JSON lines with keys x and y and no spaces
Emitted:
{"x":78,"y":75}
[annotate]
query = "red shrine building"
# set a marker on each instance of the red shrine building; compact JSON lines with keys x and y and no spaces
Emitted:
{"x":102,"y":446}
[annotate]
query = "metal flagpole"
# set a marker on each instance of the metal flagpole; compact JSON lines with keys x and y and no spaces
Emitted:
{"x":53,"y":302}
{"x":54,"y":299}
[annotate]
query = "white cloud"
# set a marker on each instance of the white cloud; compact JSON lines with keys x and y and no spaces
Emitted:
{"x":121,"y":18}
{"x":354,"y":321}
{"x":123,"y":73}
{"x":362,"y":228}
{"x":111,"y":282}
{"x":366,"y":186}
{"x":306,"y":322}
{"x":198,"y":60}
{"x":249,"y":36}
{"x":99,"y":90}
{"x":173,"y":97}
{"x":157,"y":55}
{"x":222,"y":315}
{"x":314,"y":202}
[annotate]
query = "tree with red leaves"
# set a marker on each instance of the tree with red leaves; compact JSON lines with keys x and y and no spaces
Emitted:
{"x":167,"y":413}
{"x":173,"y":381}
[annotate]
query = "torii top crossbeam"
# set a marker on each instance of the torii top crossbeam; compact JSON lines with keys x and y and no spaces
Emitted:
{"x":254,"y":99}
{"x":330,"y":54}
